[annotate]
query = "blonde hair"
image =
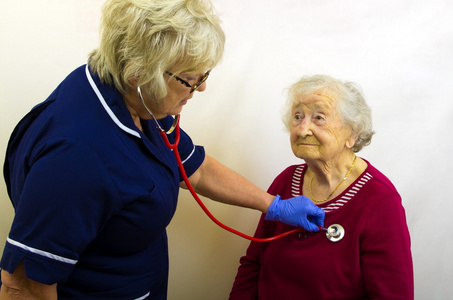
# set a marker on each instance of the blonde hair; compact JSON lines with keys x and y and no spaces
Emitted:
{"x":352,"y":106}
{"x":141,"y":39}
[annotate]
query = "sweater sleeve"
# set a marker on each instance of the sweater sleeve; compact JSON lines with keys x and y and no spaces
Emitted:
{"x":385,"y":251}
{"x":245,"y":285}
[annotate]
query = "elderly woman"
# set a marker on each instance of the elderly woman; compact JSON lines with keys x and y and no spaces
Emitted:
{"x":91,"y":180}
{"x":329,"y":121}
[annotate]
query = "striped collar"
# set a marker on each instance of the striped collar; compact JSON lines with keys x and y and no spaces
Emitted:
{"x":337,"y":202}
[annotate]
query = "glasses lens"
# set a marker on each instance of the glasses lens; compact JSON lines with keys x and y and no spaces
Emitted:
{"x":197,"y":85}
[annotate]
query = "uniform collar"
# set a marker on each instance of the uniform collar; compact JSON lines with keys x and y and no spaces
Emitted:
{"x":116,"y":109}
{"x":107,"y":108}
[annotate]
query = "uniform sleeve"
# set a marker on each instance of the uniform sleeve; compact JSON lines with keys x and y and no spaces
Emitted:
{"x":67,"y":197}
{"x":385,"y":251}
{"x":192,"y":156}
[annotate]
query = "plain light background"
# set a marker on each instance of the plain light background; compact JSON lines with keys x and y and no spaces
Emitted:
{"x":400,"y":52}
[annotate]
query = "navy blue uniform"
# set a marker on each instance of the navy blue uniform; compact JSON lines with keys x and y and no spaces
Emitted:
{"x":93,"y":194}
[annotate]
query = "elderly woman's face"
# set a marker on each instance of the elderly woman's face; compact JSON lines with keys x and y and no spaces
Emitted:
{"x":317,"y":131}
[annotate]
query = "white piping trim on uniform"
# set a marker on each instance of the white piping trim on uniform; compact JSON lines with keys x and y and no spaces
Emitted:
{"x":113,"y":116}
{"x":190,"y":155}
{"x":42,"y":253}
{"x":106,"y":107}
{"x":144,"y":297}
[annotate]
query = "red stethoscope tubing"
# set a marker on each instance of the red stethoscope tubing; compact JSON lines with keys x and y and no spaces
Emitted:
{"x":174,"y":147}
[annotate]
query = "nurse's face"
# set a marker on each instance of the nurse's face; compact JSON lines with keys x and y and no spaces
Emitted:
{"x":317,"y":131}
{"x":179,"y":93}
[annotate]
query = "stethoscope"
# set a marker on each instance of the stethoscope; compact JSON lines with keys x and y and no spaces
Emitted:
{"x":334,"y":232}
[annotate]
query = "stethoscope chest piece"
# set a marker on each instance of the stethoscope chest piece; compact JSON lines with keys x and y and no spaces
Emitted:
{"x":335,"y":232}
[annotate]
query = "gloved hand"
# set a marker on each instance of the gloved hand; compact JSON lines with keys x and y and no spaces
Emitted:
{"x":298,"y":211}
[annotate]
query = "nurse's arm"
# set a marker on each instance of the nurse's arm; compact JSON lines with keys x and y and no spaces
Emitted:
{"x":220,"y":183}
{"x":18,"y":286}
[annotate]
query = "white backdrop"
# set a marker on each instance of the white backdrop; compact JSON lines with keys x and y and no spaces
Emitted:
{"x":398,"y":51}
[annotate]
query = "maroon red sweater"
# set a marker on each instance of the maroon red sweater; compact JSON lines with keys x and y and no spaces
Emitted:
{"x":372,"y":261}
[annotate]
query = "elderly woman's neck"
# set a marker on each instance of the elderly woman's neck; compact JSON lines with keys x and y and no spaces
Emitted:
{"x":331,"y":172}
{"x":324,"y":181}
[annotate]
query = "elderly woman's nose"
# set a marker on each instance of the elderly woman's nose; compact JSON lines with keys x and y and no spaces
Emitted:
{"x":304,"y":127}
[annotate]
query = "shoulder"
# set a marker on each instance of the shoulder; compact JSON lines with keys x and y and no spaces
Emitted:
{"x":379,"y":191}
{"x":379,"y":178}
{"x":289,"y":172}
{"x":293,"y":173}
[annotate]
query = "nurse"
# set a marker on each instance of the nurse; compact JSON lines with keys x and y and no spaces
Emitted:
{"x":91,"y":181}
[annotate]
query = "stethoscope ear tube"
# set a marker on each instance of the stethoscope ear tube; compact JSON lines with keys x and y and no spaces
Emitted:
{"x":174,"y":147}
{"x":334,"y":232}
{"x":205,"y":209}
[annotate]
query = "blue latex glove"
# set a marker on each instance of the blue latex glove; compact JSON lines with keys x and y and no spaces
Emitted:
{"x":298,"y":211}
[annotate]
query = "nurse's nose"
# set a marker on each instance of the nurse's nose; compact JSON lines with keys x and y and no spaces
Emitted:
{"x":201,"y":88}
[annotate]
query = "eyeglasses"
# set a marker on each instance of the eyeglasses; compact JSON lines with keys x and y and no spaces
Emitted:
{"x":192,"y":87}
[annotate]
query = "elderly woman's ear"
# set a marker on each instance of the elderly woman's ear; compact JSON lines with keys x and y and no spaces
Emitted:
{"x":350,"y":142}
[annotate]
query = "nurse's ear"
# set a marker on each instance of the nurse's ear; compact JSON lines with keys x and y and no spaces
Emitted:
{"x":133,"y":82}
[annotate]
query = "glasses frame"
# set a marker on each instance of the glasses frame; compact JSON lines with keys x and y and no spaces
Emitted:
{"x":194,"y":86}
